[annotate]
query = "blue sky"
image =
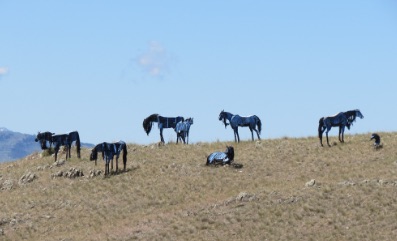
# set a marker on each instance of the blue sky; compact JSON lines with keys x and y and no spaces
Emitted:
{"x":101,"y":67}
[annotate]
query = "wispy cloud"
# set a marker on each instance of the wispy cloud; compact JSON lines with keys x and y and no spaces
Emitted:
{"x":154,"y":60}
{"x":3,"y":71}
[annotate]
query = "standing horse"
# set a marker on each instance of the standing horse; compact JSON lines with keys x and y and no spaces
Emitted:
{"x":342,"y":120}
{"x":236,"y":121}
{"x":43,"y":137}
{"x":109,"y":150}
{"x":163,"y":122}
{"x":182,"y":130}
{"x":60,"y":140}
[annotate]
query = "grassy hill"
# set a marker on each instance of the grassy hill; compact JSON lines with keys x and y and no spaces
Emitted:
{"x":167,"y":193}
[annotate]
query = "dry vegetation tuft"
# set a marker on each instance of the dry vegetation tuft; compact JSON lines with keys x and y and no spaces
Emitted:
{"x":168,"y":193}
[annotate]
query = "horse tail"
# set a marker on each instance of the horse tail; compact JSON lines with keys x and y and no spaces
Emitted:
{"x":320,"y":127}
{"x":125,"y":154}
{"x":78,"y":144}
{"x":259,"y":123}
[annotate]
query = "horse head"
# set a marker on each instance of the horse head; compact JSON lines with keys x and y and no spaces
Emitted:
{"x":147,"y":122}
{"x":230,"y":153}
{"x":189,"y":120}
{"x":41,"y":137}
{"x":94,"y":154}
{"x":358,"y":113}
{"x":222,"y":115}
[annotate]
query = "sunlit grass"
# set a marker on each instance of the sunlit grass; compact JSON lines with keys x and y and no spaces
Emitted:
{"x":169,"y":193}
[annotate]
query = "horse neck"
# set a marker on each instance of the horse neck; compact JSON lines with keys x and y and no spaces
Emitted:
{"x":228,"y":115}
{"x":351,"y":115}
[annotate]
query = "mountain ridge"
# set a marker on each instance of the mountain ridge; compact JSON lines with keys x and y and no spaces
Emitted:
{"x":16,"y":145}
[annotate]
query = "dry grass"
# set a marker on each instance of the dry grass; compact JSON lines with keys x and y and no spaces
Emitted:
{"x":168,"y":193}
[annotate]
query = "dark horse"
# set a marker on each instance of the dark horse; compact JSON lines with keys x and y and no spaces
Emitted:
{"x":226,"y":157}
{"x":342,"y":120}
{"x":59,"y":140}
{"x":109,"y":150}
{"x":236,"y":121}
{"x":163,"y":122}
{"x":44,"y":137}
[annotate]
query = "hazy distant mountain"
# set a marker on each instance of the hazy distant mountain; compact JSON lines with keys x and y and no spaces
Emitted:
{"x":15,"y":145}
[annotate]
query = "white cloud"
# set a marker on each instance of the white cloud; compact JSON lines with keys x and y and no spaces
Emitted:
{"x":3,"y":70}
{"x":154,"y":60}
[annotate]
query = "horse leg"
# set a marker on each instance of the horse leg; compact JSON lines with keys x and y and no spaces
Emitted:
{"x":117,"y":164}
{"x":161,"y":135}
{"x":342,"y":132}
{"x":257,"y":133}
{"x":236,"y":134}
{"x":56,"y":149}
{"x":252,"y":134}
{"x":327,"y":138}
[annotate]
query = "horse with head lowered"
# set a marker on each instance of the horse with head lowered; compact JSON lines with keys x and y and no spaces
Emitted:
{"x":59,"y":140}
{"x":109,"y":150}
{"x":163,"y":122}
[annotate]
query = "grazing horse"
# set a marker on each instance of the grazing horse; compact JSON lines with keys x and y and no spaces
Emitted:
{"x":109,"y":150}
{"x":236,"y":121}
{"x":342,"y":120}
{"x":60,"y":140}
{"x":163,"y":122}
{"x":182,"y":130}
{"x":226,"y":157}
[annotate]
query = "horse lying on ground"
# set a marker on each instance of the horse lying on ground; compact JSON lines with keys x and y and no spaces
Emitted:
{"x":223,"y":158}
{"x":109,"y":150}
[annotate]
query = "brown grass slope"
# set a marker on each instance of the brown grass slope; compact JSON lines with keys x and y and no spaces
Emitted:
{"x":168,"y":193}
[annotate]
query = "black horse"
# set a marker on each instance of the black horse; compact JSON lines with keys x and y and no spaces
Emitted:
{"x":226,"y":157}
{"x":44,"y":137}
{"x":342,"y":120}
{"x":60,"y":140}
{"x":235,"y":121}
{"x":163,"y":122}
{"x":109,"y":150}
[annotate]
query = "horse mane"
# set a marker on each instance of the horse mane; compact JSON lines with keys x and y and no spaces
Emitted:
{"x":147,"y":122}
{"x":351,"y":117}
